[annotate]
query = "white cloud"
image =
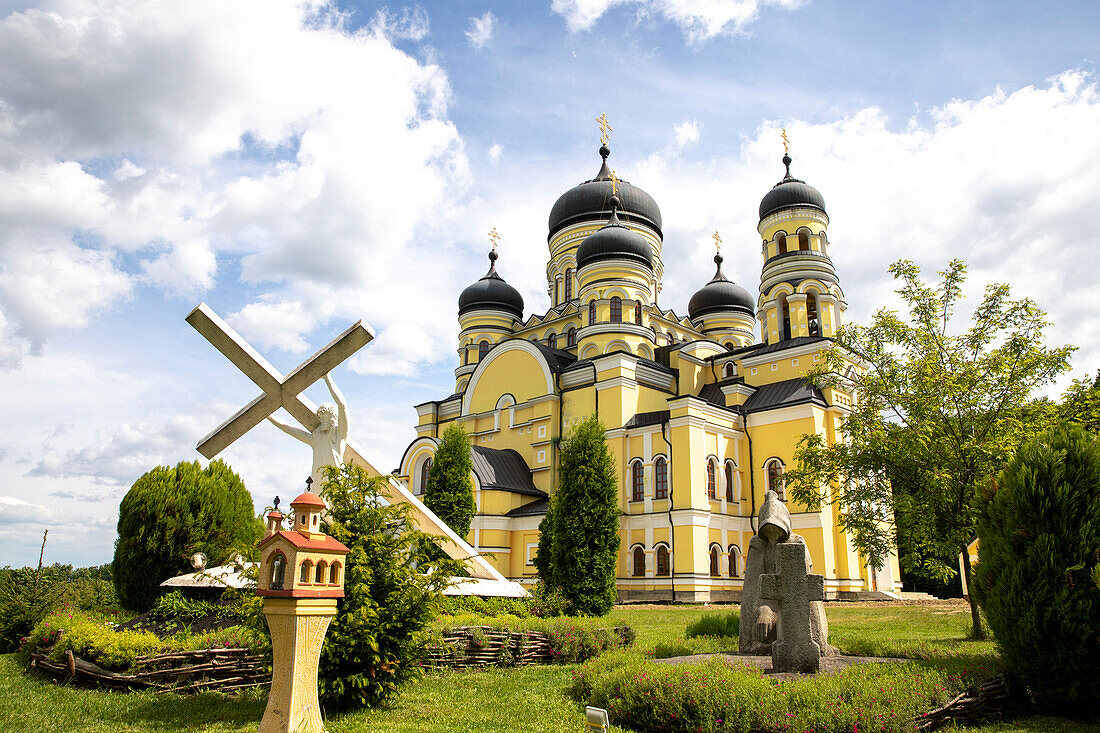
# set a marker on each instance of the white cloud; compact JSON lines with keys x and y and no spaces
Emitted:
{"x":18,"y":511}
{"x":699,"y":20}
{"x":410,"y":24}
{"x":496,"y":152}
{"x":481,"y":30}
{"x":686,"y":134}
{"x":279,"y":324}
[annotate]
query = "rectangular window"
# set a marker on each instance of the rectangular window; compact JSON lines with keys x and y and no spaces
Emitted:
{"x":660,"y":475}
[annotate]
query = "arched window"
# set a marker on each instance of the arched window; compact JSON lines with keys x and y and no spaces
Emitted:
{"x":425,"y":469}
{"x":785,"y":332}
{"x":307,"y":568}
{"x":660,"y":479}
{"x":591,"y":312}
{"x":639,"y":562}
{"x":727,"y":371}
{"x":775,"y":478}
{"x":669,"y":338}
{"x":714,"y":561}
{"x":465,"y":355}
{"x":781,"y":244}
{"x":569,"y":284}
{"x":729,"y":481}
{"x":733,"y":560}
{"x":334,"y":574}
{"x":319,"y":576}
{"x":637,"y":481}
{"x":804,"y":240}
{"x":571,"y":337}
{"x":729,"y":346}
{"x":811,"y":314}
{"x":278,"y":571}
{"x":712,"y":491}
{"x":482,"y":350}
{"x":616,"y":310}
{"x":638,"y":313}
{"x":552,"y":341}
{"x":662,"y":560}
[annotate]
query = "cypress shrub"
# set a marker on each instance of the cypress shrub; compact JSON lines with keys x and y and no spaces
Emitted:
{"x":171,"y":513}
{"x":584,"y":537}
{"x":1039,"y":546}
{"x":449,"y":492}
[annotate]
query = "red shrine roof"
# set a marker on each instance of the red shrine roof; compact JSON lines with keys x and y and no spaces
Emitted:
{"x":323,"y":542}
{"x":308,"y":499}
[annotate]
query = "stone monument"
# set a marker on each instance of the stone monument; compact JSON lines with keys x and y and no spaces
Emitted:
{"x":301,"y":577}
{"x":794,"y":591}
{"x":761,"y":609}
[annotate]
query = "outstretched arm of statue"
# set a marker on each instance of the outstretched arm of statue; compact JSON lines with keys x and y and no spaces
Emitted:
{"x":290,"y":430}
{"x":342,"y":404}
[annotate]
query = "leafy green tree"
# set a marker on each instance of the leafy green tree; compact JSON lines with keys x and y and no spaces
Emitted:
{"x":938,"y":415}
{"x":583,"y":523}
{"x":1040,"y":545}
{"x":449,"y":491}
{"x":26,"y":596}
{"x":1081,"y":404}
{"x":392,"y":592}
{"x":171,"y":513}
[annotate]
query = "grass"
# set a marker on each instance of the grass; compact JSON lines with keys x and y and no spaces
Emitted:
{"x":515,"y":700}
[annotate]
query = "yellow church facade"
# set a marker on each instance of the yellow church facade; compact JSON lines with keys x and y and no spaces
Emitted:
{"x":702,"y":418}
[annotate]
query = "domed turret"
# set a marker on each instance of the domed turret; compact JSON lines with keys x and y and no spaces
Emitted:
{"x":720,"y":294}
{"x":615,"y":241}
{"x":591,"y":200}
{"x":491,"y":293}
{"x":790,"y":193}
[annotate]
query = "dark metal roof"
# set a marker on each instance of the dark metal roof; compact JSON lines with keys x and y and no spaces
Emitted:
{"x":615,"y":241}
{"x":539,"y":506}
{"x":795,"y":391}
{"x":790,"y":192}
{"x":557,"y":359}
{"x":503,"y":470}
{"x":720,"y":294}
{"x":491,"y":292}
{"x":642,"y":419}
{"x":712,"y":393}
{"x":762,"y":349}
{"x":591,"y":200}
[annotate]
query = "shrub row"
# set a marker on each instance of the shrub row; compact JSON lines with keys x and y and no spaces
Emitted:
{"x":569,"y":640}
{"x":720,"y":696}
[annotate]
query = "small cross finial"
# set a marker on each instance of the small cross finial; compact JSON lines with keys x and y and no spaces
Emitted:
{"x":615,"y":184}
{"x":494,"y":238}
{"x":277,"y":500}
{"x":309,"y":483}
{"x":605,"y":129}
{"x":786,"y":141}
{"x":717,"y":241}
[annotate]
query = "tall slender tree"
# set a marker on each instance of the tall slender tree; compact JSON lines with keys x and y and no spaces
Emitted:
{"x":939,"y":413}
{"x":449,"y":491}
{"x":583,"y":523}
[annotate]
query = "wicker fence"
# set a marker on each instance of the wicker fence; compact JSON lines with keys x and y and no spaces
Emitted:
{"x":224,"y":670}
{"x":483,"y":646}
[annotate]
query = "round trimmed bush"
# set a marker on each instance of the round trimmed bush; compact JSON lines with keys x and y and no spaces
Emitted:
{"x":171,"y":513}
{"x":1039,"y":548}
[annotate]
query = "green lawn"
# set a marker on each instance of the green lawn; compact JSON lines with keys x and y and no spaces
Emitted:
{"x":515,"y":700}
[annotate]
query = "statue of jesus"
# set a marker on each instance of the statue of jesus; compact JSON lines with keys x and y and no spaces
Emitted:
{"x":329,"y":439}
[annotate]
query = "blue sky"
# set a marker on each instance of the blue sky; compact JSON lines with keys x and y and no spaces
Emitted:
{"x":301,"y":166}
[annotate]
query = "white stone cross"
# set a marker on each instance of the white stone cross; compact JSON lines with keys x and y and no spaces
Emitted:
{"x":278,"y":391}
{"x":793,"y":590}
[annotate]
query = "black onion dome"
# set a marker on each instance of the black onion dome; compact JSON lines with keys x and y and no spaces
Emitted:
{"x":720,"y":294}
{"x":491,"y":293}
{"x":615,"y":241}
{"x":789,"y":193}
{"x":591,"y":200}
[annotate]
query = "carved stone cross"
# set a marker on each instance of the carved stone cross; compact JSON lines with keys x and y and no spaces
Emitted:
{"x":793,"y":590}
{"x":278,"y":391}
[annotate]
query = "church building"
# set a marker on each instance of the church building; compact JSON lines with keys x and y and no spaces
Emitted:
{"x":701,"y":417}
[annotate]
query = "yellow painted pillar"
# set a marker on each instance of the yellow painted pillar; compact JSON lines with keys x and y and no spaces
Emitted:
{"x":298,"y":627}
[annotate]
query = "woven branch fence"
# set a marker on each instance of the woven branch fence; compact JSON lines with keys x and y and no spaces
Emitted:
{"x":224,"y":670}
{"x":482,"y":646}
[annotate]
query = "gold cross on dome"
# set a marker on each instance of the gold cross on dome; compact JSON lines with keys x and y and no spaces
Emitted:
{"x":717,"y":241}
{"x":605,"y":128}
{"x":615,"y":184}
{"x":494,"y":238}
{"x":786,"y":141}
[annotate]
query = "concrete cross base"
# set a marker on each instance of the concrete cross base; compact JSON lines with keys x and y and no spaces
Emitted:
{"x":298,"y":627}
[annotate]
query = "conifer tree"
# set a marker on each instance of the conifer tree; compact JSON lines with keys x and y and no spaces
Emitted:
{"x":584,"y":522}
{"x":449,"y":492}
